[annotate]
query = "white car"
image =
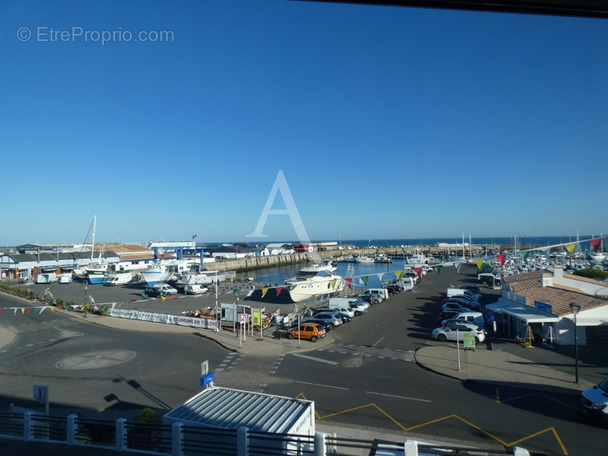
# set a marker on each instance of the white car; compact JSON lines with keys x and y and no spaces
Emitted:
{"x":595,"y":399}
{"x":453,"y":306}
{"x":452,"y":332}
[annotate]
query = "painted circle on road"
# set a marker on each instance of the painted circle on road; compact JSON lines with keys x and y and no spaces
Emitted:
{"x":96,"y":360}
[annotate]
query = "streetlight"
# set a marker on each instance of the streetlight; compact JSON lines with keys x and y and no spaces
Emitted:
{"x":575,"y":308}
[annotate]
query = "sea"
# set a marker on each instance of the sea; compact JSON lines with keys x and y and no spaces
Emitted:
{"x":276,"y":276}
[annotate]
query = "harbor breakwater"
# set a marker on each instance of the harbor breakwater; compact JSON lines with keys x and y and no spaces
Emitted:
{"x":262,"y":262}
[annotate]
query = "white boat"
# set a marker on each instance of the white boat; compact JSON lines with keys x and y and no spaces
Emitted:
{"x":310,"y":283}
{"x":314,"y":282}
{"x":364,"y":260}
{"x":163,"y":271}
{"x":597,"y":257}
{"x":201,"y":278}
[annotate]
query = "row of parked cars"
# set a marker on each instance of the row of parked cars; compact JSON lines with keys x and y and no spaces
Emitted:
{"x":460,"y":315}
{"x":338,"y":312}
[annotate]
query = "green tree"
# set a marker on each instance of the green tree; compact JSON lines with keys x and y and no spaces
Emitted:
{"x":592,"y":273}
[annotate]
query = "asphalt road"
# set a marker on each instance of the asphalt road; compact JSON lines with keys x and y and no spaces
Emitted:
{"x":367,"y":378}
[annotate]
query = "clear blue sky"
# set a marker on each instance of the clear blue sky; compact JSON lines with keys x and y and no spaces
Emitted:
{"x":387,"y":122}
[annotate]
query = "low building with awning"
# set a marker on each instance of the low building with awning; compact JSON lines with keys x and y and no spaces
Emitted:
{"x":538,"y":303}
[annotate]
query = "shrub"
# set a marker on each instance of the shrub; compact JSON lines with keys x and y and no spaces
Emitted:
{"x":592,"y":273}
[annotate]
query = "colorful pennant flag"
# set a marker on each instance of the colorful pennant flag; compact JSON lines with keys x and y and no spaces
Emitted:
{"x":596,"y":243}
{"x":457,"y":266}
{"x":418,"y":271}
{"x":332,"y":283}
{"x":501,"y":259}
{"x":438,"y":269}
{"x":264,"y":291}
{"x":570,"y":247}
{"x":399,"y":274}
{"x":279,"y":289}
{"x":364,"y":279}
{"x":223,"y":293}
{"x":163,"y":298}
{"x":524,"y":255}
{"x":479,"y":263}
{"x":348,"y":282}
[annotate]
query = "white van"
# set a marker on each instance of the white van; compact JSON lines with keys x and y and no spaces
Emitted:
{"x":119,"y":279}
{"x":195,"y":289}
{"x":471,"y":317}
{"x":165,"y":289}
{"x":380,"y":294}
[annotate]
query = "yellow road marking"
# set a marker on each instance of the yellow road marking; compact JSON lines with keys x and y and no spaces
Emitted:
{"x":437,"y":420}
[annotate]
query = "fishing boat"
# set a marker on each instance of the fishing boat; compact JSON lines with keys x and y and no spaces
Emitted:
{"x":201,"y":277}
{"x":364,"y":260}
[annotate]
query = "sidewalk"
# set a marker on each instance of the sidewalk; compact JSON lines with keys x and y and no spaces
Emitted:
{"x":501,"y":365}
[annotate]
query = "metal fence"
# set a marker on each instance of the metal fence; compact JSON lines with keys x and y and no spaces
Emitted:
{"x":180,"y":440}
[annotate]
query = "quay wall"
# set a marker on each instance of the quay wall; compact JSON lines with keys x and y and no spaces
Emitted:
{"x":262,"y":262}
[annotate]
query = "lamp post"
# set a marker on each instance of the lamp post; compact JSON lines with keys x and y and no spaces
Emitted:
{"x":575,"y":308}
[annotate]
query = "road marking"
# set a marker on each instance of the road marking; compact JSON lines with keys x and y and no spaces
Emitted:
{"x":398,"y":397}
{"x":324,"y":386}
{"x":381,"y":339}
{"x":333,"y":363}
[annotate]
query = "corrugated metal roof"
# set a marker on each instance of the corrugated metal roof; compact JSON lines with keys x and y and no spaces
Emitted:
{"x":230,"y":409}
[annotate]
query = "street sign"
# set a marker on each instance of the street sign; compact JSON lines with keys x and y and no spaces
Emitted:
{"x":206,"y":379}
{"x":41,"y":393}
{"x":205,"y":367}
{"x":241,"y":318}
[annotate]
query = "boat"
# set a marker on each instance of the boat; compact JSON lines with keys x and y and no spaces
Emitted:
{"x":364,"y":260}
{"x":596,"y":257}
{"x":310,"y":283}
{"x":163,"y":271}
{"x":198,"y":277}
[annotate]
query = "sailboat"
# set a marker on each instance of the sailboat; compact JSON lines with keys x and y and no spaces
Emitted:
{"x":97,"y":271}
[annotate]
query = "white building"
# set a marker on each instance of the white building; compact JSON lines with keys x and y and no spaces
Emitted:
{"x":541,"y":300}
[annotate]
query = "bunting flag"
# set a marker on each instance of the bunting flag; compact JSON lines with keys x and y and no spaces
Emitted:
{"x":23,"y":310}
{"x":279,"y":289}
{"x":348,"y":282}
{"x":485,"y":266}
{"x":264,"y":291}
{"x":399,"y":274}
{"x":438,"y":269}
{"x":570,"y":247}
{"x":29,"y":310}
{"x":501,"y":259}
{"x":223,"y":293}
{"x":524,"y":255}
{"x":1,"y":309}
{"x":364,"y":279}
{"x":332,"y":283}
{"x":479,"y":263}
{"x":457,"y":266}
{"x":144,"y":296}
{"x":120,"y":304}
{"x":418,"y":271}
{"x":596,"y":243}
{"x":163,"y":298}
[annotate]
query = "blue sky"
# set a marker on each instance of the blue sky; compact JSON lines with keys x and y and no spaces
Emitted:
{"x":387,"y":122}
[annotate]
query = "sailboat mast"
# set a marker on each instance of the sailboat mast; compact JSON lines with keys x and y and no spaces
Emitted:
{"x":94,"y":228}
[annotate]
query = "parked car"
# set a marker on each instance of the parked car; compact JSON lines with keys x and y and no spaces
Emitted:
{"x":331,"y":318}
{"x":345,"y":317}
{"x":308,"y":330}
{"x":447,"y":315}
{"x":323,"y":322}
{"x":454,"y":306}
{"x":370,"y":299}
{"x":160,"y":289}
{"x":471,"y":305}
{"x":595,"y":399}
{"x":471,"y":317}
{"x":457,"y":331}
{"x":452,"y":322}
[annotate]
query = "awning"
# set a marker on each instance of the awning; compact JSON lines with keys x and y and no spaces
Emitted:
{"x":522,"y":312}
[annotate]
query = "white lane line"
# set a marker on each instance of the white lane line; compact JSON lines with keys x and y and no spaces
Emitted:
{"x":333,"y":363}
{"x":324,"y":386}
{"x":398,"y":397}
{"x":381,"y":339}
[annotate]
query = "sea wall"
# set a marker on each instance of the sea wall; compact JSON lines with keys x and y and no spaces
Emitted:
{"x":262,"y":262}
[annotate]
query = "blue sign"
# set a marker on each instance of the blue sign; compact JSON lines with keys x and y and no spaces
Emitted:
{"x":543,"y":307}
{"x":206,"y":379}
